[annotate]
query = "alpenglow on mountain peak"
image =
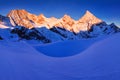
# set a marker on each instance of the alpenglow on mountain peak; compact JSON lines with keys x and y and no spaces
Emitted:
{"x":21,"y":25}
{"x":28,"y":20}
{"x":88,"y":16}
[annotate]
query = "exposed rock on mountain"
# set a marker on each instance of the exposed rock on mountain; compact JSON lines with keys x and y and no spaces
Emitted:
{"x":86,"y":22}
{"x":29,"y":34}
{"x":66,"y":22}
{"x":21,"y":25}
{"x":41,"y":19}
{"x":89,"y":18}
{"x":64,"y":33}
{"x":24,"y":18}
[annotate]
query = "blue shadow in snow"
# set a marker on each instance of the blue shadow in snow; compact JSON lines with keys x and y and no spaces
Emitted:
{"x":65,"y":49}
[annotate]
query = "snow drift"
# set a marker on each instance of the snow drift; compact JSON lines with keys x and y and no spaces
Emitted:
{"x":100,"y":61}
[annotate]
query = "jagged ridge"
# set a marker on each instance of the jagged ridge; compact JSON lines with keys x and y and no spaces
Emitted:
{"x":23,"y":25}
{"x":28,"y":20}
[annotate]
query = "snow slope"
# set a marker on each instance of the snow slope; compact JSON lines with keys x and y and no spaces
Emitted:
{"x":49,"y":34}
{"x":21,"y":61}
{"x":6,"y":35}
{"x":66,"y":48}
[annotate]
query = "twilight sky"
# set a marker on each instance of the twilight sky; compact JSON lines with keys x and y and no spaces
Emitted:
{"x":107,"y":10}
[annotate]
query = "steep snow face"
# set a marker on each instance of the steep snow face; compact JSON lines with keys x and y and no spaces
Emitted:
{"x":21,"y":61}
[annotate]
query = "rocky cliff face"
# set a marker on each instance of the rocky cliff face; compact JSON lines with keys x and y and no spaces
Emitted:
{"x":22,"y":18}
{"x":85,"y":23}
{"x":28,"y":20}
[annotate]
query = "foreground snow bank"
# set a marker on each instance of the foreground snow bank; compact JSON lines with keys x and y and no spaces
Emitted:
{"x":101,"y":61}
{"x":65,"y":48}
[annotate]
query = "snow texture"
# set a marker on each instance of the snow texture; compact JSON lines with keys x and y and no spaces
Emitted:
{"x":99,"y":61}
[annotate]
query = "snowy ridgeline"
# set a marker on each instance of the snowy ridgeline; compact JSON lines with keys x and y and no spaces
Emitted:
{"x":55,"y":34}
{"x":18,"y":25}
{"x":98,"y":59}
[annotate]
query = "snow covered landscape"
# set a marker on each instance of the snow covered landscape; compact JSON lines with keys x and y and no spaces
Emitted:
{"x":36,"y":47}
{"x":99,"y":61}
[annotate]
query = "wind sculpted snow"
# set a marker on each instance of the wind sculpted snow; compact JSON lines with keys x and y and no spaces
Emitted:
{"x":66,"y":48}
{"x":21,"y":61}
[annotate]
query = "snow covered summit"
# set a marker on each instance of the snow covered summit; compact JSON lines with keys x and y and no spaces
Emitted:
{"x":40,"y":28}
{"x":28,"y":20}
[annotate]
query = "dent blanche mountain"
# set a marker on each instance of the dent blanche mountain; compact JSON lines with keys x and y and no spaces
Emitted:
{"x":20,"y":24}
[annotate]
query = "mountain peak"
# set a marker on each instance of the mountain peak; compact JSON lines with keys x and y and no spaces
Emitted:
{"x":18,"y":11}
{"x":88,"y":12}
{"x":41,"y":16}
{"x":89,"y":17}
{"x":28,"y":20}
{"x":53,"y":18}
{"x":66,"y":16}
{"x":21,"y":18}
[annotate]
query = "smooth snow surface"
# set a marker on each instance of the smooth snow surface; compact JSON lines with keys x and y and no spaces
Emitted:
{"x":65,"y":48}
{"x":100,"y":61}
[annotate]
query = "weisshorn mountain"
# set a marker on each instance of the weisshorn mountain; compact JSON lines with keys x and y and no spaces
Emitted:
{"x":22,"y":25}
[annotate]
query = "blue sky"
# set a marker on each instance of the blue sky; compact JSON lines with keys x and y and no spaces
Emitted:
{"x":107,"y":10}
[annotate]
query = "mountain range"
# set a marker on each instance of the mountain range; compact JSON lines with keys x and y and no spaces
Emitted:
{"x":28,"y":20}
{"x":87,"y":49}
{"x":20,"y":24}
